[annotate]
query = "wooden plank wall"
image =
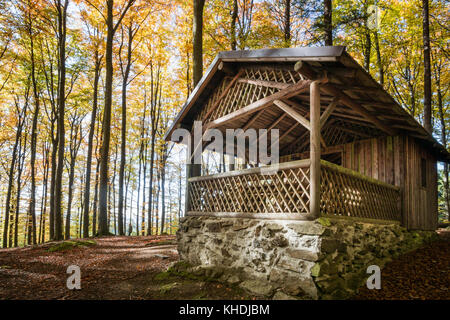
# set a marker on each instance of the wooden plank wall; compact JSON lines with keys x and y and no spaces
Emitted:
{"x":378,"y":158}
{"x":397,"y":160}
{"x":420,"y":204}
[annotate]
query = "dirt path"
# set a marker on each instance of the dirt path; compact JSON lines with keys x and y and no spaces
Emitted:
{"x":114,"y":268}
{"x":128,"y":268}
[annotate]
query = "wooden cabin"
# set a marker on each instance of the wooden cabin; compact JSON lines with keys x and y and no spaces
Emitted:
{"x":346,"y":146}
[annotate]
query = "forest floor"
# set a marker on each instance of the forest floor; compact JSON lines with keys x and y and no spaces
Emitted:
{"x":113,"y":268}
{"x":130,"y":268}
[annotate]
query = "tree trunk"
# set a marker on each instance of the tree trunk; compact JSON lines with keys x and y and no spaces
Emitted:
{"x":379,"y":61}
{"x":163,"y":188}
{"x":427,"y":68}
{"x":87,"y":187}
{"x":32,"y":204}
{"x":367,"y":49}
{"x":198,"y":40}
{"x":287,"y":23}
{"x":104,"y":153}
{"x":22,"y":115}
{"x":44,"y":195}
{"x":62,"y":15}
{"x":328,"y":22}
{"x":125,"y":75}
{"x":75,"y":142}
{"x":52,"y":181}
{"x":234,"y":16}
{"x":19,"y":190}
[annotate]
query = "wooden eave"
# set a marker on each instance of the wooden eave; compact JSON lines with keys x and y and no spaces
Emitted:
{"x":362,"y":107}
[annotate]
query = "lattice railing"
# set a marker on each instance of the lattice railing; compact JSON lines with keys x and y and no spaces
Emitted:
{"x":345,"y":192}
{"x":281,"y":189}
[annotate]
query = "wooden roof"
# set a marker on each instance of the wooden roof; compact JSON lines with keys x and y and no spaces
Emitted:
{"x":239,"y":89}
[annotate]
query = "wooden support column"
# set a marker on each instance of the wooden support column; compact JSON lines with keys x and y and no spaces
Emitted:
{"x":314,"y":200}
{"x":192,"y":170}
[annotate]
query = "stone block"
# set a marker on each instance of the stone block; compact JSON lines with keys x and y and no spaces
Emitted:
{"x":307,"y":227}
{"x":257,"y":287}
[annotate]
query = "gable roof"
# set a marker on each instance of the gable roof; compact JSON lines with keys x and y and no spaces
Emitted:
{"x":335,"y":61}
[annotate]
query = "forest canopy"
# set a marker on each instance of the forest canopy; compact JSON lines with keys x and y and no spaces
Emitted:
{"x":88,"y":89}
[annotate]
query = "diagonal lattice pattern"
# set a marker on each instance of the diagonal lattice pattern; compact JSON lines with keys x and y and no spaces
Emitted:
{"x":286,"y":191}
{"x":241,"y":94}
{"x":349,"y":194}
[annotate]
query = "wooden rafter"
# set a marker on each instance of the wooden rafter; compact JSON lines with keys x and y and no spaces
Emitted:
{"x":328,"y":88}
{"x":285,"y":134}
{"x":328,"y":111}
{"x":253,"y":119}
{"x":261,"y":103}
{"x":292,"y":113}
{"x":352,"y":131}
{"x":264,"y":83}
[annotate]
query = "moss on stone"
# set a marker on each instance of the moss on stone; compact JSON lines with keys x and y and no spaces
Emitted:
{"x":324,"y":221}
{"x":315,"y":270}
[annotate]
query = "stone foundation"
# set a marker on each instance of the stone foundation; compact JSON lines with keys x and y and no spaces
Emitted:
{"x":322,"y":259}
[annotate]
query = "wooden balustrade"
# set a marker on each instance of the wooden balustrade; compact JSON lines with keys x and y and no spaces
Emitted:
{"x":277,"y":191}
{"x":283,"y":192}
{"x":345,"y":192}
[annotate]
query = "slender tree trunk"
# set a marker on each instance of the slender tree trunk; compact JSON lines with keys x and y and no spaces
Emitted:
{"x":113,"y":187}
{"x":62,"y":15}
{"x":94,"y":209}
{"x":125,"y":74}
{"x":198,"y":40}
{"x":163,"y":192}
{"x":52,"y":181}
{"x":87,"y":187}
{"x":328,"y":22}
{"x":6,"y":227}
{"x":379,"y":61}
{"x":427,"y":68}
{"x":287,"y":23}
{"x":75,"y":142}
{"x":143,"y":227}
{"x":234,"y":16}
{"x":32,"y":204}
{"x":19,"y":191}
{"x":104,"y":154}
{"x":367,"y":49}
{"x":44,"y":195}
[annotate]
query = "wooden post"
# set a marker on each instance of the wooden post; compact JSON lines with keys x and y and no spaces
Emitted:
{"x":314,"y":200}
{"x":192,"y":170}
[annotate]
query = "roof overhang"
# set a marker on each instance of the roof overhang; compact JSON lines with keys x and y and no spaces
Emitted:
{"x":313,"y":55}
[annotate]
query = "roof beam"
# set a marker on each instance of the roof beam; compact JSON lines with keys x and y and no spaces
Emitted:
{"x":260,"y":104}
{"x":264,"y":83}
{"x":328,"y":111}
{"x":345,"y":99}
{"x":294,"y":114}
{"x":356,"y":132}
{"x":285,"y":134}
{"x":328,"y":88}
{"x":252,"y":120}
